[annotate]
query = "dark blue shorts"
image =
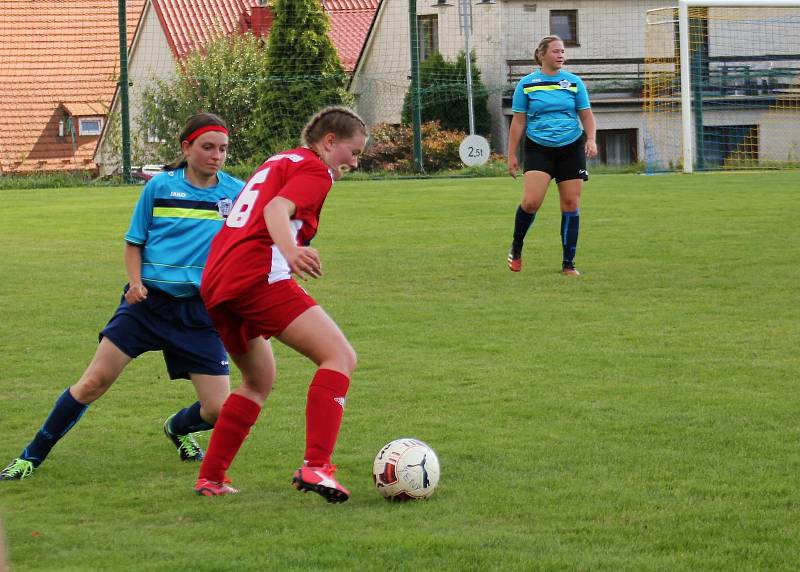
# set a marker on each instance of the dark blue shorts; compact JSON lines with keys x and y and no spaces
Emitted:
{"x":178,"y":327}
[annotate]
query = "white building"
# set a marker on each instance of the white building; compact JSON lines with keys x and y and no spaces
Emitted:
{"x":751,"y":111}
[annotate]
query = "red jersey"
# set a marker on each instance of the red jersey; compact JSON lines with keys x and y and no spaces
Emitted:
{"x":243,"y":253}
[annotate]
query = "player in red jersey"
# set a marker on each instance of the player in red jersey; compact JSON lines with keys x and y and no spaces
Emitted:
{"x":250,"y":294}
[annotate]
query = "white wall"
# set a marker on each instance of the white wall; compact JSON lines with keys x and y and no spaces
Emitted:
{"x":149,"y":57}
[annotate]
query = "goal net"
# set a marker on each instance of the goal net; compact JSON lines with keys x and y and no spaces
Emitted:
{"x":737,"y":105}
{"x":266,"y":65}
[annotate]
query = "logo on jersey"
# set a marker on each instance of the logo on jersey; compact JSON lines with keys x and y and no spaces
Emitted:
{"x":224,"y":207}
{"x":293,"y":157}
{"x":178,"y":194}
{"x":564,"y":84}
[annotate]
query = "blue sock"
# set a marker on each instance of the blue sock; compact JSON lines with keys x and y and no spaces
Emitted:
{"x":66,"y":413}
{"x":522,"y":222}
{"x":188,"y":420}
{"x":570,"y":223}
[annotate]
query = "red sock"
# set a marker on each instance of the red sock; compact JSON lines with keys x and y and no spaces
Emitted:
{"x":237,"y":416}
{"x":324,"y":410}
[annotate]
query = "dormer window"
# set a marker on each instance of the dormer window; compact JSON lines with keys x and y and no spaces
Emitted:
{"x":90,"y":126}
{"x":82,"y":119}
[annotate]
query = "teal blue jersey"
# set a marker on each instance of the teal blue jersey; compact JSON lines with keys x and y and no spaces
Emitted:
{"x":174,"y":222}
{"x":551,"y":103}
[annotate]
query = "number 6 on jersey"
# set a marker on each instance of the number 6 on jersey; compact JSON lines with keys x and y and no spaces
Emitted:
{"x":240,"y":212}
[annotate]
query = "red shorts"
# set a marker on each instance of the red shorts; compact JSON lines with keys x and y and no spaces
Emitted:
{"x":263,"y":311}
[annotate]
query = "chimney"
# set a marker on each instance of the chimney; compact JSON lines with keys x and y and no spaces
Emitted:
{"x":261,"y":20}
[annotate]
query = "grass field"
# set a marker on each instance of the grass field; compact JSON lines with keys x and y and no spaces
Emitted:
{"x":641,"y":417}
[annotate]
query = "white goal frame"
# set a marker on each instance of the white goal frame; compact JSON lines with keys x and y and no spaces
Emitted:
{"x":683,"y":31}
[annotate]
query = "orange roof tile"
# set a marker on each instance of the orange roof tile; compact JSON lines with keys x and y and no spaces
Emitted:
{"x":54,"y":52}
{"x":189,"y":24}
{"x":336,"y":5}
{"x":351,"y":21}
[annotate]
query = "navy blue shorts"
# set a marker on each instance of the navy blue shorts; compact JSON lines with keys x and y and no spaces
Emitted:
{"x":178,"y":327}
{"x":561,"y":163}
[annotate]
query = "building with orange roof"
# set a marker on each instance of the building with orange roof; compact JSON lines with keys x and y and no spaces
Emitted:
{"x":59,"y":66}
{"x":59,"y":63}
{"x":169,"y":30}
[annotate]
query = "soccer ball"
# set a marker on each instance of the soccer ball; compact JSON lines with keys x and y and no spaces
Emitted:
{"x":406,"y":469}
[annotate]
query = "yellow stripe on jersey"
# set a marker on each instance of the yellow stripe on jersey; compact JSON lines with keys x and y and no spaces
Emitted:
{"x":548,"y":88}
{"x":174,"y":212}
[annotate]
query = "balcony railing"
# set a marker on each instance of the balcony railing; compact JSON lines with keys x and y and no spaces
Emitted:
{"x":626,"y":79}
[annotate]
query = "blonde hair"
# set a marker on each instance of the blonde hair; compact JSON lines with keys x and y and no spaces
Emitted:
{"x":544,"y":44}
{"x":339,"y":120}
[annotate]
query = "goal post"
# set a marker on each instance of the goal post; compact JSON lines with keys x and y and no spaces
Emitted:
{"x":730,"y":87}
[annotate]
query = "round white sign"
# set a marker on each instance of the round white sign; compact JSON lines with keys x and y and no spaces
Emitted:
{"x":474,"y":150}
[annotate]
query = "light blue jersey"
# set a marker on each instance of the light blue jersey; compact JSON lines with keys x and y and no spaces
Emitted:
{"x":174,"y":222}
{"x":551,"y":103}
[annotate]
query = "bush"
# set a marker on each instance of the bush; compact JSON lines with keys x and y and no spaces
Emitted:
{"x":242,"y":170}
{"x":264,"y":93}
{"x":305,"y":74}
{"x":225,"y":78}
{"x":443,"y":95}
{"x":391,"y":148}
{"x":56,"y":180}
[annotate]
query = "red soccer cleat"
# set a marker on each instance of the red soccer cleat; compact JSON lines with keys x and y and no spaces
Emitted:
{"x":515,"y":257}
{"x":207,"y":488}
{"x":321,"y":481}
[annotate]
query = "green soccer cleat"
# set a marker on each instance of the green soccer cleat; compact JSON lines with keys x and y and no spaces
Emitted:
{"x":18,"y":469}
{"x":187,"y":446}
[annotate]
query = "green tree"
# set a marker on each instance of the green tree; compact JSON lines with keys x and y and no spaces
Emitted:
{"x":226,"y":77}
{"x":443,"y":86}
{"x":305,"y":72}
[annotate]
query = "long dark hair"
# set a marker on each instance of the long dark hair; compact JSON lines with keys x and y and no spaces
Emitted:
{"x":192,"y":124}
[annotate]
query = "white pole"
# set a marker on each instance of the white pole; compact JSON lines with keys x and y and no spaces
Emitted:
{"x":467,"y":9}
{"x":686,"y":93}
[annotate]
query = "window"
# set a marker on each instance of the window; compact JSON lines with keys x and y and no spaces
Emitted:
{"x":90,"y":126}
{"x":428,"y":30}
{"x":564,"y":24}
{"x":617,"y":146}
{"x":726,"y":145}
{"x":152,"y":135}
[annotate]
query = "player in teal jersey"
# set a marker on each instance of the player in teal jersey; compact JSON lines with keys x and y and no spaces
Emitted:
{"x":551,"y":107}
{"x":175,"y":219}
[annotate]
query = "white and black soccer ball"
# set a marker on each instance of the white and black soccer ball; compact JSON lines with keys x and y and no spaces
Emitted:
{"x":406,"y":469}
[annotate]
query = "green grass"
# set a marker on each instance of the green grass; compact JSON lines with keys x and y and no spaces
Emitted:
{"x":44,"y":181}
{"x":640,"y":417}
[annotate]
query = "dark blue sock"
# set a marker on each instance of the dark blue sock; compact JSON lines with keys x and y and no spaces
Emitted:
{"x":570,"y":223}
{"x":522,"y":222}
{"x":66,"y":413}
{"x":188,"y":420}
